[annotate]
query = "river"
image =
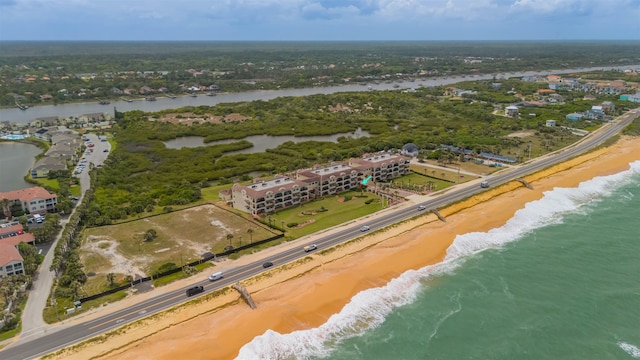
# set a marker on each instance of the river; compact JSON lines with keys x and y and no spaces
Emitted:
{"x":15,"y":115}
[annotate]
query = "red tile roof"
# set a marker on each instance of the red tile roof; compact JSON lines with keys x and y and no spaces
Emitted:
{"x":27,"y":194}
{"x":8,"y":254}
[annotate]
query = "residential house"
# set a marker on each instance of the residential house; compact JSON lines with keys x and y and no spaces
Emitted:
{"x":631,"y":97}
{"x":92,"y":118}
{"x":556,"y":99}
{"x":41,"y":133}
{"x":608,"y":107}
{"x":410,"y":149}
{"x":575,"y":116}
{"x":33,"y":200}
{"x":595,"y":113}
{"x":45,"y":165}
{"x":511,"y":111}
{"x":44,"y":121}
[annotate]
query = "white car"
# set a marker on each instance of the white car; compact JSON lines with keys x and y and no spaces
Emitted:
{"x":310,"y":247}
{"x":421,"y":207}
{"x":364,"y":228}
{"x":216,"y":276}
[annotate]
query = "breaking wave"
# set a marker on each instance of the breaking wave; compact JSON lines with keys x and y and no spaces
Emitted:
{"x":369,"y":308}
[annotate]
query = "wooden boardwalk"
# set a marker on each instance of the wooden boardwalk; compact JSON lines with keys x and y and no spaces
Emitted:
{"x":435,"y":211}
{"x":245,"y":294}
{"x":525,"y":183}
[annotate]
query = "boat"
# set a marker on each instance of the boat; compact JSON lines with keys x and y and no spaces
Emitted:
{"x":193,"y":95}
{"x":22,"y":106}
{"x":211,"y":94}
{"x":150,"y":98}
{"x":172,"y":96}
{"x":128,"y":100}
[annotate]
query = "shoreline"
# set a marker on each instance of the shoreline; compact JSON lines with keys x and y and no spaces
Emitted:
{"x":306,"y":293}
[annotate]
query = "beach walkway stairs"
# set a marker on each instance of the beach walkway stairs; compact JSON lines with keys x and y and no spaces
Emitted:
{"x":435,"y":211}
{"x":525,"y":183}
{"x":245,"y":295}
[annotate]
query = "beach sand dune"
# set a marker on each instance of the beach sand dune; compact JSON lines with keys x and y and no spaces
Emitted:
{"x":305,"y":294}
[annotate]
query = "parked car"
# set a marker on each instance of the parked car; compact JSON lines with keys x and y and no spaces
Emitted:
{"x":364,"y":228}
{"x":310,"y":247}
{"x":267,"y":264}
{"x":195,"y":290}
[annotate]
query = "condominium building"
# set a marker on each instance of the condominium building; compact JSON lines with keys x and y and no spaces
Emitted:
{"x":329,"y":180}
{"x":11,"y":262}
{"x":381,"y":166}
{"x":33,"y":200}
{"x":268,"y":196}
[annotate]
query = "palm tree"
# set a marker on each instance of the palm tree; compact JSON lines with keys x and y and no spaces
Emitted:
{"x":250,"y":232}
{"x":75,"y":287}
{"x":229,"y":237}
{"x":110,"y":278}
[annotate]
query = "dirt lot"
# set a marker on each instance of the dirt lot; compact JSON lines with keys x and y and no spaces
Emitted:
{"x":191,"y":118}
{"x":182,"y":237}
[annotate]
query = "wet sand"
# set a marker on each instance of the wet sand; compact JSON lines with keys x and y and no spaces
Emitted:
{"x":305,"y":294}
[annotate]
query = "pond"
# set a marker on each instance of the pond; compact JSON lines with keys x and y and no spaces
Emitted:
{"x":260,"y":142}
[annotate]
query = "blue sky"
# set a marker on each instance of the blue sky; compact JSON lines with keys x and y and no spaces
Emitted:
{"x":293,"y":20}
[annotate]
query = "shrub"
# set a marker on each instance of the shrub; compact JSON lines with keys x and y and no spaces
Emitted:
{"x":369,"y":201}
{"x":291,"y":225}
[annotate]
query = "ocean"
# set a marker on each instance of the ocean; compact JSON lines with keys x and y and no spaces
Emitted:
{"x":560,"y":280}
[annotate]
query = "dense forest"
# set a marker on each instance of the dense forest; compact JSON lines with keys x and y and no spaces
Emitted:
{"x":58,"y":72}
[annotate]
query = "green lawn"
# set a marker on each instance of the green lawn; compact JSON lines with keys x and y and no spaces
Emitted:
{"x":337,"y":212}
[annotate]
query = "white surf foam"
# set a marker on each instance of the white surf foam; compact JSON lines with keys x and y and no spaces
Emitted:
{"x":632,"y":350}
{"x":369,"y":308}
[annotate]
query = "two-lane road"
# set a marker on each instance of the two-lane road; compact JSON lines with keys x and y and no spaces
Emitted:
{"x":31,"y":348}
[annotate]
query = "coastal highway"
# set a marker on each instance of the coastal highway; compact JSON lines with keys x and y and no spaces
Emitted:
{"x":66,"y":335}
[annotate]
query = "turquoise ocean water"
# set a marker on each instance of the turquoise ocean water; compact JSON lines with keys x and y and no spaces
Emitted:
{"x":560,"y":280}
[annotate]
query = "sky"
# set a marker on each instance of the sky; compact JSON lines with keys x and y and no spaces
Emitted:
{"x":319,"y":20}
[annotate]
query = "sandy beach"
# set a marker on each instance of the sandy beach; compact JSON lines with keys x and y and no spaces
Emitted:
{"x":305,"y":294}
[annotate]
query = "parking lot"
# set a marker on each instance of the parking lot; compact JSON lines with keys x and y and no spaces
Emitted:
{"x":96,"y":154}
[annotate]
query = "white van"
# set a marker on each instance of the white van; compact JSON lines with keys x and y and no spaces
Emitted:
{"x":216,"y":276}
